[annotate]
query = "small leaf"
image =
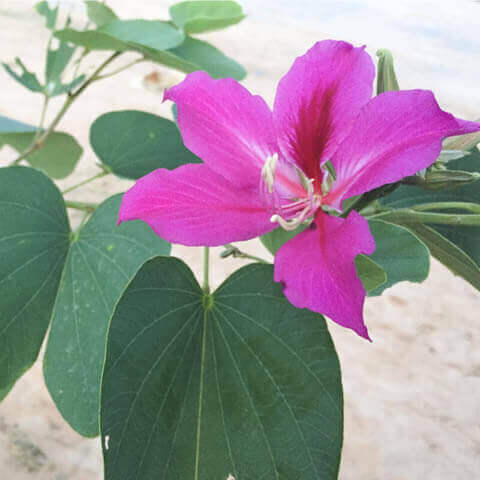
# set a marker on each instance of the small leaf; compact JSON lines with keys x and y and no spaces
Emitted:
{"x":273,"y":240}
{"x":240,"y":382}
{"x":193,"y":55}
{"x":446,"y":252}
{"x":102,"y":260}
{"x":370,"y":273}
{"x":399,"y":253}
{"x":154,"y":34}
{"x":50,"y":14}
{"x":92,"y":40}
{"x":386,"y":78}
{"x":26,"y":78}
{"x":34,"y":236}
{"x":204,"y":16}
{"x":99,"y":13}
{"x":57,"y":156}
{"x":132,"y":143}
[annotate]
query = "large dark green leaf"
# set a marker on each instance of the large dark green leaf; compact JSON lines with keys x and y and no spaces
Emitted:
{"x":57,"y":156}
{"x":102,"y":259}
{"x":34,"y":238}
{"x":465,"y":238}
{"x":399,"y":253}
{"x":198,"y":387}
{"x":132,"y":143}
{"x":370,"y":273}
{"x":204,"y":16}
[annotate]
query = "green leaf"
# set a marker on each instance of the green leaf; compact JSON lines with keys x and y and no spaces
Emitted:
{"x":26,"y":78}
{"x":57,"y":156}
{"x":132,"y":143}
{"x":370,"y":273}
{"x":273,"y":240}
{"x":50,"y":14}
{"x":100,"y":13}
{"x":465,"y":238}
{"x":204,"y":16}
{"x":57,"y":61}
{"x":193,"y":55}
{"x":239,"y":383}
{"x":154,"y":34}
{"x":34,"y":237}
{"x":448,"y":253}
{"x":92,"y":40}
{"x":399,"y":253}
{"x":102,"y":260}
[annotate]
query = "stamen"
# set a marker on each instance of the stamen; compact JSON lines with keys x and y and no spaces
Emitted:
{"x":294,"y":222}
{"x":268,"y":171}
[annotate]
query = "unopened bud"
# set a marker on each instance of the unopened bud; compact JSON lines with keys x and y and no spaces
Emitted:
{"x":439,"y":179}
{"x":386,"y":78}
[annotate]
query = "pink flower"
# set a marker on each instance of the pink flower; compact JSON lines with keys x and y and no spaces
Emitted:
{"x":263,"y":169}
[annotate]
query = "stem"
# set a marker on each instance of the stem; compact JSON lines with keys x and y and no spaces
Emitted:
{"x":121,"y":69}
{"x":235,"y":252}
{"x":69,"y":100}
{"x":46,"y":99}
{"x":84,"y":182}
{"x":85,"y":206}
{"x":407,"y":215}
{"x":206,"y":268}
{"x":471,"y":207}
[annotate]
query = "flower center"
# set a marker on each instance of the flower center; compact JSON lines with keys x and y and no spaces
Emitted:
{"x":290,"y":213}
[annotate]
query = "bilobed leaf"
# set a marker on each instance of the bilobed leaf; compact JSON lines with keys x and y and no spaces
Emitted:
{"x":25,"y":77}
{"x":399,"y":253}
{"x":57,"y":60}
{"x":273,"y":240}
{"x":132,"y":143}
{"x":154,"y":34}
{"x":101,"y":261}
{"x":370,"y":273}
{"x":34,"y":239}
{"x":57,"y":156}
{"x":50,"y":14}
{"x":199,"y":387}
{"x":99,"y":13}
{"x":466,"y":238}
{"x":203,"y":16}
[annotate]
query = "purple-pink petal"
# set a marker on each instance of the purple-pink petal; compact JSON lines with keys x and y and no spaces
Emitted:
{"x":193,"y":205}
{"x":318,"y":99}
{"x":395,"y":135}
{"x":230,"y":129}
{"x":317,"y":268}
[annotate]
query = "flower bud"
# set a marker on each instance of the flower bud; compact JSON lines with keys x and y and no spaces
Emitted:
{"x":386,"y":78}
{"x":439,"y":179}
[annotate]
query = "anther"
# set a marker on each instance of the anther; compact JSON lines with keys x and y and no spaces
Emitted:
{"x":268,"y":171}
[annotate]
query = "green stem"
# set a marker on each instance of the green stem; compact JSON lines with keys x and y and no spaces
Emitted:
{"x":471,"y":207}
{"x":46,"y":99}
{"x":206,"y":269}
{"x":408,"y":215}
{"x":235,"y":252}
{"x":84,"y":182}
{"x":121,"y":69}
{"x":68,"y":102}
{"x":85,"y":206}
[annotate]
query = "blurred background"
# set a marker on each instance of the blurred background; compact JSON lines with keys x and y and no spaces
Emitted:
{"x":412,"y":406}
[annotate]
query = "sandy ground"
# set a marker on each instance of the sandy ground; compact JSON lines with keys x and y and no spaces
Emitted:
{"x":412,"y":397}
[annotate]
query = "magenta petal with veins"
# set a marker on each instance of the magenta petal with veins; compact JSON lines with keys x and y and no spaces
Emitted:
{"x":262,"y":167}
